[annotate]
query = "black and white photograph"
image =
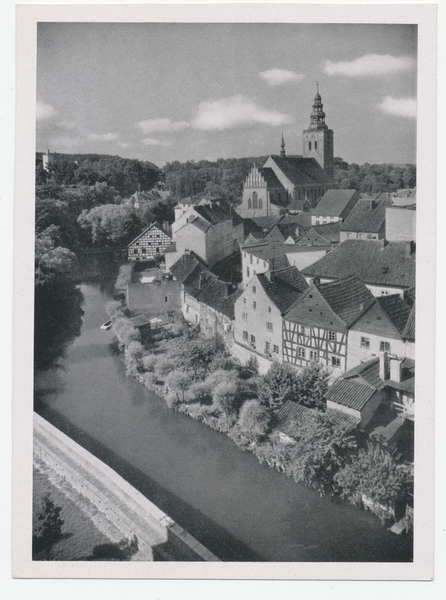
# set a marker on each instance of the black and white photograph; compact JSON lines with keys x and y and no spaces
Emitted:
{"x":230,"y":235}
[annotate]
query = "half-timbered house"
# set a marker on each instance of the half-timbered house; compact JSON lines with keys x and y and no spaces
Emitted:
{"x":153,"y":240}
{"x":316,"y":327}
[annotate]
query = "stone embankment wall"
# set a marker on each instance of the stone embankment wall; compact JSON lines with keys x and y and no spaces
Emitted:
{"x":124,"y":506}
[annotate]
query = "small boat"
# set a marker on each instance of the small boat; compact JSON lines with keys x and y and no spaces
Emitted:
{"x":106,"y":325}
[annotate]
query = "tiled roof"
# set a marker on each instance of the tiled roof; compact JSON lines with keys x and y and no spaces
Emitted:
{"x":321,"y":235}
{"x":185,"y":265}
{"x":205,"y":287}
{"x":252,"y":241}
{"x":303,"y":219}
{"x":284,"y":287}
{"x":293,"y":416}
{"x":301,"y":170}
{"x":200,"y":224}
{"x":266,"y":251}
{"x":367,"y":216}
{"x":409,"y":329}
{"x":333,"y":203}
{"x":396,"y":309}
{"x":213,"y":213}
{"x":352,"y":393}
{"x":270,"y":177}
{"x":348,"y":298}
{"x":368,"y":371}
{"x":265,"y":223}
{"x":371,"y":261}
{"x":151,"y":226}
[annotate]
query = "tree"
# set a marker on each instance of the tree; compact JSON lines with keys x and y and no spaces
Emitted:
{"x":133,"y":357}
{"x":280,"y":384}
{"x":48,"y":527}
{"x":114,"y":309}
{"x":124,"y":276}
{"x":125,"y":332}
{"x":312,"y":385}
{"x":321,"y":450}
{"x":372,"y":472}
{"x":254,"y":419}
{"x":110,"y":224}
{"x":178,"y":381}
{"x":225,"y":398}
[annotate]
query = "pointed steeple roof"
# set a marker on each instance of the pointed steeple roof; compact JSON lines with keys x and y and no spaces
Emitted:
{"x":317,"y":117}
{"x":282,"y":146}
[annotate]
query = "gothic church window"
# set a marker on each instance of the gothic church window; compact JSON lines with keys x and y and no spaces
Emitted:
{"x":254,"y":200}
{"x":249,"y":203}
{"x":260,"y":203}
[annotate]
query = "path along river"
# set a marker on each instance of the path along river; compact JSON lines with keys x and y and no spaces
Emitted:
{"x":239,"y":509}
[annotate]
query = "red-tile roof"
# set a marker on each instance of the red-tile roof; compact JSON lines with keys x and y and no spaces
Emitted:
{"x":396,"y":309}
{"x":368,"y":371}
{"x":205,"y":287}
{"x":284,"y":287}
{"x":352,"y":393}
{"x":301,"y":170}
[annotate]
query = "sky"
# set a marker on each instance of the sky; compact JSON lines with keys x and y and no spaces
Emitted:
{"x":183,"y":91}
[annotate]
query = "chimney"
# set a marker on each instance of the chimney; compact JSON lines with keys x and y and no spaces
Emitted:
{"x":384,"y":366}
{"x":361,"y":306}
{"x":372,"y":204}
{"x":409,"y":247}
{"x":396,"y":370}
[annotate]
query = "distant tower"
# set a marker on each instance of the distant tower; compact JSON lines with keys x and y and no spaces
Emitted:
{"x":318,"y":139}
{"x":282,"y":147}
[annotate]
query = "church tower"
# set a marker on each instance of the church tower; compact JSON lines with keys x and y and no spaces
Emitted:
{"x":318,"y":139}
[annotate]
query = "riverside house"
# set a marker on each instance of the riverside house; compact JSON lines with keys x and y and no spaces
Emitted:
{"x":153,"y":240}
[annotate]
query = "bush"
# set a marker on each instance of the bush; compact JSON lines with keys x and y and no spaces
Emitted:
{"x":313,"y":385}
{"x":125,"y":332}
{"x":114,"y":309}
{"x":225,"y":398}
{"x":124,"y":276}
{"x":280,"y":384}
{"x":164,"y":366}
{"x":200,"y":391}
{"x":254,"y":419}
{"x":133,"y":357}
{"x":149,"y":362}
{"x":178,"y":381}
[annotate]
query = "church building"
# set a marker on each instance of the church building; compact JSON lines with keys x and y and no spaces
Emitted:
{"x":292,"y":183}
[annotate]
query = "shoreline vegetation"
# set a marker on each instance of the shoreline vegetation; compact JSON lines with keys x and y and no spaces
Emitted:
{"x":197,"y":376}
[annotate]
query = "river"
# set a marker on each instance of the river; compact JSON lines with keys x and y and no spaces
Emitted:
{"x":239,"y":509}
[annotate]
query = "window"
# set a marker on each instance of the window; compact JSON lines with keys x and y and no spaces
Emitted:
{"x":253,"y":340}
{"x":384,"y":347}
{"x":331,"y":336}
{"x":187,"y":308}
{"x":309,"y":145}
{"x":165,"y":298}
{"x":301,"y":352}
{"x":254,"y":200}
{"x":276,"y":349}
{"x":335,"y":361}
{"x":135,"y":251}
{"x":244,"y":300}
{"x":254,"y":305}
{"x":313,"y":355}
{"x":269,"y":309}
{"x":143,"y":250}
{"x":250,"y":259}
{"x":260,"y":203}
{"x":245,"y":336}
{"x":269,"y":326}
{"x":303,"y":330}
{"x":315,"y":145}
{"x":257,"y":261}
{"x":254,"y":289}
{"x":249,"y":203}
{"x":267,"y":346}
{"x":245,"y":316}
{"x":365,"y":342}
{"x":247,"y":271}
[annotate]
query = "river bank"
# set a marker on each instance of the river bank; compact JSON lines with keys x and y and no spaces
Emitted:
{"x":232,"y":504}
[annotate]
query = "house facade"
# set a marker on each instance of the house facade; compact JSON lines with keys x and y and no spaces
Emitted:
{"x":316,"y":327}
{"x":154,"y":240}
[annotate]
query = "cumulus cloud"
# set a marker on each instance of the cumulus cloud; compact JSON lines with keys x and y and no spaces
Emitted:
{"x":44,"y":111}
{"x":157,"y":125}
{"x":279,"y":76}
{"x":401,"y":107}
{"x":125,"y":144}
{"x":236,"y":111}
{"x":370,"y":64}
{"x":154,"y":142}
{"x":103,"y":137}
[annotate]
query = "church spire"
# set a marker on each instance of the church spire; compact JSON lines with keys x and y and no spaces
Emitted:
{"x":317,"y":119}
{"x":282,"y":146}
